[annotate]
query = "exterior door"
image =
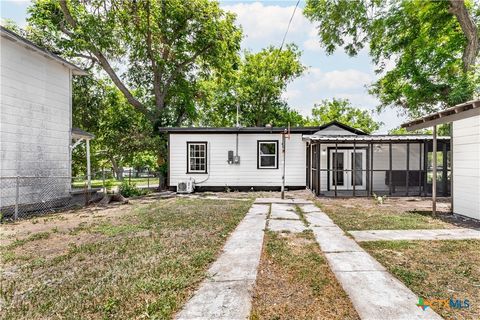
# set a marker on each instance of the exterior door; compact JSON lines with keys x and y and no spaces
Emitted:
{"x":348,"y":168}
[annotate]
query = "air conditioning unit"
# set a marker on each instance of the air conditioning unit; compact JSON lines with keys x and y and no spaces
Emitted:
{"x":185,"y":186}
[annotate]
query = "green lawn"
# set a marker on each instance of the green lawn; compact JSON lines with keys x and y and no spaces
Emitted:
{"x":435,"y":270}
{"x":364,"y":214}
{"x":141,"y":260}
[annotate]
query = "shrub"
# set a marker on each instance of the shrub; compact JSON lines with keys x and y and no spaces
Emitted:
{"x":129,"y":189}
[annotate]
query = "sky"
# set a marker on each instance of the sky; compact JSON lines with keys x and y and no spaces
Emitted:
{"x":264,"y":23}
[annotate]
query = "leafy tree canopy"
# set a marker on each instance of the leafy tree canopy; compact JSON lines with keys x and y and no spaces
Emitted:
{"x":342,"y":111}
{"x":256,"y":86}
{"x":434,"y":46}
{"x":154,"y":51}
{"x":123,"y":136}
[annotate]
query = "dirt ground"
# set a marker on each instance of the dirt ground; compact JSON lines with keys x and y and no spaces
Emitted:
{"x":294,"y":281}
{"x":139,"y":260}
{"x":70,"y":220}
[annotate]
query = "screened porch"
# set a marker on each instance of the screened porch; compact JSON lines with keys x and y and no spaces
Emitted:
{"x":382,"y":165}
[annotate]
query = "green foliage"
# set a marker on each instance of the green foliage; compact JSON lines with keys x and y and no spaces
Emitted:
{"x":167,"y":46}
{"x":256,"y":86}
{"x":342,"y":111}
{"x":123,"y":136}
{"x":129,"y":189}
{"x":423,"y":39}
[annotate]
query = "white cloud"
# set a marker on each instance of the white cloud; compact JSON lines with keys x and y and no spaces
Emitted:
{"x":338,"y":79}
{"x":333,"y":76}
{"x":266,"y":24}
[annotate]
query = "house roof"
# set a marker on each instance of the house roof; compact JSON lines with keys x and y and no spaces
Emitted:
{"x":304,"y":130}
{"x":455,"y":113}
{"x":80,"y":134}
{"x":372,"y":138}
{"x":12,"y":36}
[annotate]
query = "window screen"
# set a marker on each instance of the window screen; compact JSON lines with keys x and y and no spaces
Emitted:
{"x":197,"y":157}
{"x":267,"y":154}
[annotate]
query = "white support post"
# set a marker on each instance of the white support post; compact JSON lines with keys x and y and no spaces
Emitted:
{"x":283,"y":168}
{"x":89,"y":177}
{"x":434,"y":172}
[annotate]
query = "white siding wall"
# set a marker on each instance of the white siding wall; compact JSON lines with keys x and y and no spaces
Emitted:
{"x":35,"y":120}
{"x":466,"y":167}
{"x":380,"y":162}
{"x":244,"y":174}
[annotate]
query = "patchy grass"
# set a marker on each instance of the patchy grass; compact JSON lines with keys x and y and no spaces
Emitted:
{"x":396,"y":214}
{"x":295,"y":282}
{"x":143,"y":262}
{"x":435,"y":270}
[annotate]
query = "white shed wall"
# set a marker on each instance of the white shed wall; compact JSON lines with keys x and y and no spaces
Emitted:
{"x":35,"y":121}
{"x":466,"y":167}
{"x":246,"y":173}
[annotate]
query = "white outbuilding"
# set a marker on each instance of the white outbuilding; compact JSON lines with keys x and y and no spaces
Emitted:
{"x":465,"y":159}
{"x":331,"y":160}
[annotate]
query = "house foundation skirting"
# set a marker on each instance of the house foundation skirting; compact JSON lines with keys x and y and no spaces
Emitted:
{"x":200,"y":188}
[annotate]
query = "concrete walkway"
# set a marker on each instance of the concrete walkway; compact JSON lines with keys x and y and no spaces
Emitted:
{"x":227,"y":291}
{"x":432,"y":234}
{"x":283,"y":217}
{"x":374,"y":292}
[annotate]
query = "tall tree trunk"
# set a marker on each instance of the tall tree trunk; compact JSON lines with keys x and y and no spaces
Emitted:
{"x":470,"y":30}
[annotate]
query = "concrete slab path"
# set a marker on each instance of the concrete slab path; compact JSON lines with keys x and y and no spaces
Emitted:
{"x":432,"y":234}
{"x":374,"y":292}
{"x":278,"y":200}
{"x":227,"y":291}
{"x":294,"y":226}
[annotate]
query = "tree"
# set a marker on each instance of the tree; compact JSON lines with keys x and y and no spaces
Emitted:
{"x":154,"y":51}
{"x":256,"y":86}
{"x":342,"y":111}
{"x":433,"y":44}
{"x":123,"y":136}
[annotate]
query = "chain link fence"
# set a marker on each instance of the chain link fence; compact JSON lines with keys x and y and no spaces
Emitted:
{"x":23,"y":196}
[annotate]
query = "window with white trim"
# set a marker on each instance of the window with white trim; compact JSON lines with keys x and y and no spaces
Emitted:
{"x":267,"y":155}
{"x":197,"y":157}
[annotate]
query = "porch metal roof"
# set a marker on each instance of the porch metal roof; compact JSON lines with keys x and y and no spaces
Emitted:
{"x":458,"y":112}
{"x":372,"y":138}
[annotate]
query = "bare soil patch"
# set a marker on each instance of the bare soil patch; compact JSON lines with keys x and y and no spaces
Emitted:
{"x":435,"y":270}
{"x":295,"y":282}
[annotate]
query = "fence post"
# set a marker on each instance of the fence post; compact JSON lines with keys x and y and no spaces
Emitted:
{"x":17,"y":196}
{"x":148,"y":179}
{"x":130,"y":176}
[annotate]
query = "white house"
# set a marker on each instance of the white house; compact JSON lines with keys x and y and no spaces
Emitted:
{"x":333,"y":159}
{"x":465,"y":119}
{"x":35,"y":121}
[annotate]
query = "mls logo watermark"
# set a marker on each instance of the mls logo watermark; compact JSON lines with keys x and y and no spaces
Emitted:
{"x":445,"y":303}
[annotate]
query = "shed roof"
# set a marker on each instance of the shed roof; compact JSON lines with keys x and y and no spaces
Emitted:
{"x":304,"y":130}
{"x":12,"y":36}
{"x":455,"y":113}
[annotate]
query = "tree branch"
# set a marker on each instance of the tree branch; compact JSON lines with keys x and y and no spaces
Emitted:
{"x":470,"y":53}
{"x":103,"y":61}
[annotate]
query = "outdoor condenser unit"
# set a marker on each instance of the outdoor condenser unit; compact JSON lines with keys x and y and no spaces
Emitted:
{"x":185,"y":186}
